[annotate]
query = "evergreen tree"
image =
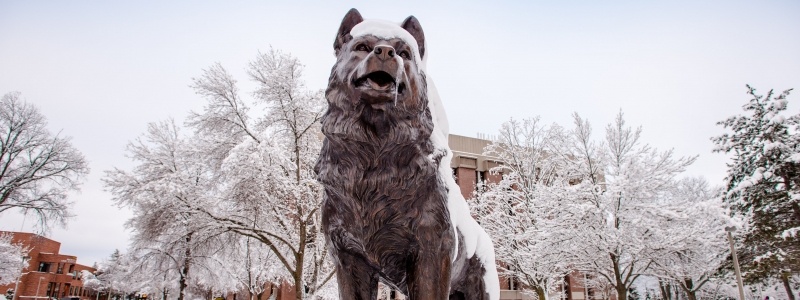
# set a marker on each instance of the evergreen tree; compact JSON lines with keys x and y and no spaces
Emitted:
{"x":763,"y":185}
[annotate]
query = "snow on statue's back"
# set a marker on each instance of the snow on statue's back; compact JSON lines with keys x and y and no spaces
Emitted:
{"x":392,"y":211}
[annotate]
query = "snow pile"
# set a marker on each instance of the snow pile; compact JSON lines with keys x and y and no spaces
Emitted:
{"x":769,"y":146}
{"x":778,"y":119}
{"x":790,"y":233}
{"x":779,"y":104}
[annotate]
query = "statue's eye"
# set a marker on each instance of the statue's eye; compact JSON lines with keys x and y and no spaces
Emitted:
{"x":405,"y":55}
{"x":362,"y":47}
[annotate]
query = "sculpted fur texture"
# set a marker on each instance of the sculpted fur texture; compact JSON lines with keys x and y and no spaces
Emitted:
{"x":385,"y":212}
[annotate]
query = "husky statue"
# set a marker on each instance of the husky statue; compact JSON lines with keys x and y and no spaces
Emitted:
{"x":392,"y":211}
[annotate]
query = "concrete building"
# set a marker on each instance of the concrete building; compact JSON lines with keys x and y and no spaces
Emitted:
{"x":49,"y":274}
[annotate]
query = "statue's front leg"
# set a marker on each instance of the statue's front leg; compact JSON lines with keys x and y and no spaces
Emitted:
{"x":357,"y":277}
{"x":429,"y":274}
{"x":357,"y":280}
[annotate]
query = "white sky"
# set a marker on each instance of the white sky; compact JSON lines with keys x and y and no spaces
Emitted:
{"x":100,"y":71}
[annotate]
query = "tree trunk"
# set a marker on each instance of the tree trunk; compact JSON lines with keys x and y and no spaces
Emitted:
{"x":299,"y":288}
{"x":689,"y":289}
{"x":666,"y":294}
{"x":786,"y":285}
{"x":540,"y":293}
{"x":691,"y":295}
{"x":185,"y":271}
{"x":622,"y":292}
{"x":181,"y":285}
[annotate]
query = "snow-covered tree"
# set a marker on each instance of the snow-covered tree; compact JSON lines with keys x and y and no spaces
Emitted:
{"x":236,"y":174}
{"x":37,"y":168}
{"x":524,"y":212}
{"x":696,"y":243}
{"x":620,"y":192}
{"x":763,"y":185}
{"x":113,"y":275}
{"x":154,"y":277}
{"x":248,"y":263}
{"x":90,"y":281}
{"x":11,"y":260}
{"x":269,"y":190}
{"x":613,"y":208}
{"x":168,"y":178}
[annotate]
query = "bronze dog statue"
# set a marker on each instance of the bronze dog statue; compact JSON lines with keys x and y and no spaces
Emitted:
{"x":392,"y":212}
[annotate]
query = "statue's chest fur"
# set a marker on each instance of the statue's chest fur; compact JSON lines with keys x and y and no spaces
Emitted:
{"x":382,"y":200}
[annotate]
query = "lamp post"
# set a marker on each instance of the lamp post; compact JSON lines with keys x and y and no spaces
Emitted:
{"x":729,"y":230}
{"x":16,"y":285}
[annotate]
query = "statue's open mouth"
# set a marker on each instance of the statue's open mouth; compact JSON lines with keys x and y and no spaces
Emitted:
{"x":378,"y":80}
{"x":378,"y":87}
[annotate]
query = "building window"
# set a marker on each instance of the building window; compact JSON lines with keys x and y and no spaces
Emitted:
{"x":513,"y":285}
{"x":71,"y":269}
{"x":60,"y":269}
{"x":44,"y":267}
{"x":480,"y":179}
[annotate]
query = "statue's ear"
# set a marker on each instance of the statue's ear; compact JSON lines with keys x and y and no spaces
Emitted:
{"x":351,"y":19}
{"x":411,"y":24}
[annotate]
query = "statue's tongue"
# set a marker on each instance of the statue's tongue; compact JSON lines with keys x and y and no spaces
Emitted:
{"x":381,"y":85}
{"x":380,"y":81}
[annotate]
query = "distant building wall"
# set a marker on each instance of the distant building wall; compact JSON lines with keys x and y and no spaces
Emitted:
{"x":49,"y":273}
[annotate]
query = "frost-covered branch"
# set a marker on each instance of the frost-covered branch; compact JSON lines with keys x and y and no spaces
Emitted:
{"x":37,"y":168}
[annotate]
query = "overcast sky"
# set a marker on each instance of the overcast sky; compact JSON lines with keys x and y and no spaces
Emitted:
{"x":100,"y":71}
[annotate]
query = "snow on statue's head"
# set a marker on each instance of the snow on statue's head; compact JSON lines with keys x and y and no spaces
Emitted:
{"x":378,"y":75}
{"x":391,"y":210}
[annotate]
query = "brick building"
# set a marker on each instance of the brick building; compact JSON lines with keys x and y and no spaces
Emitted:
{"x":49,"y":273}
